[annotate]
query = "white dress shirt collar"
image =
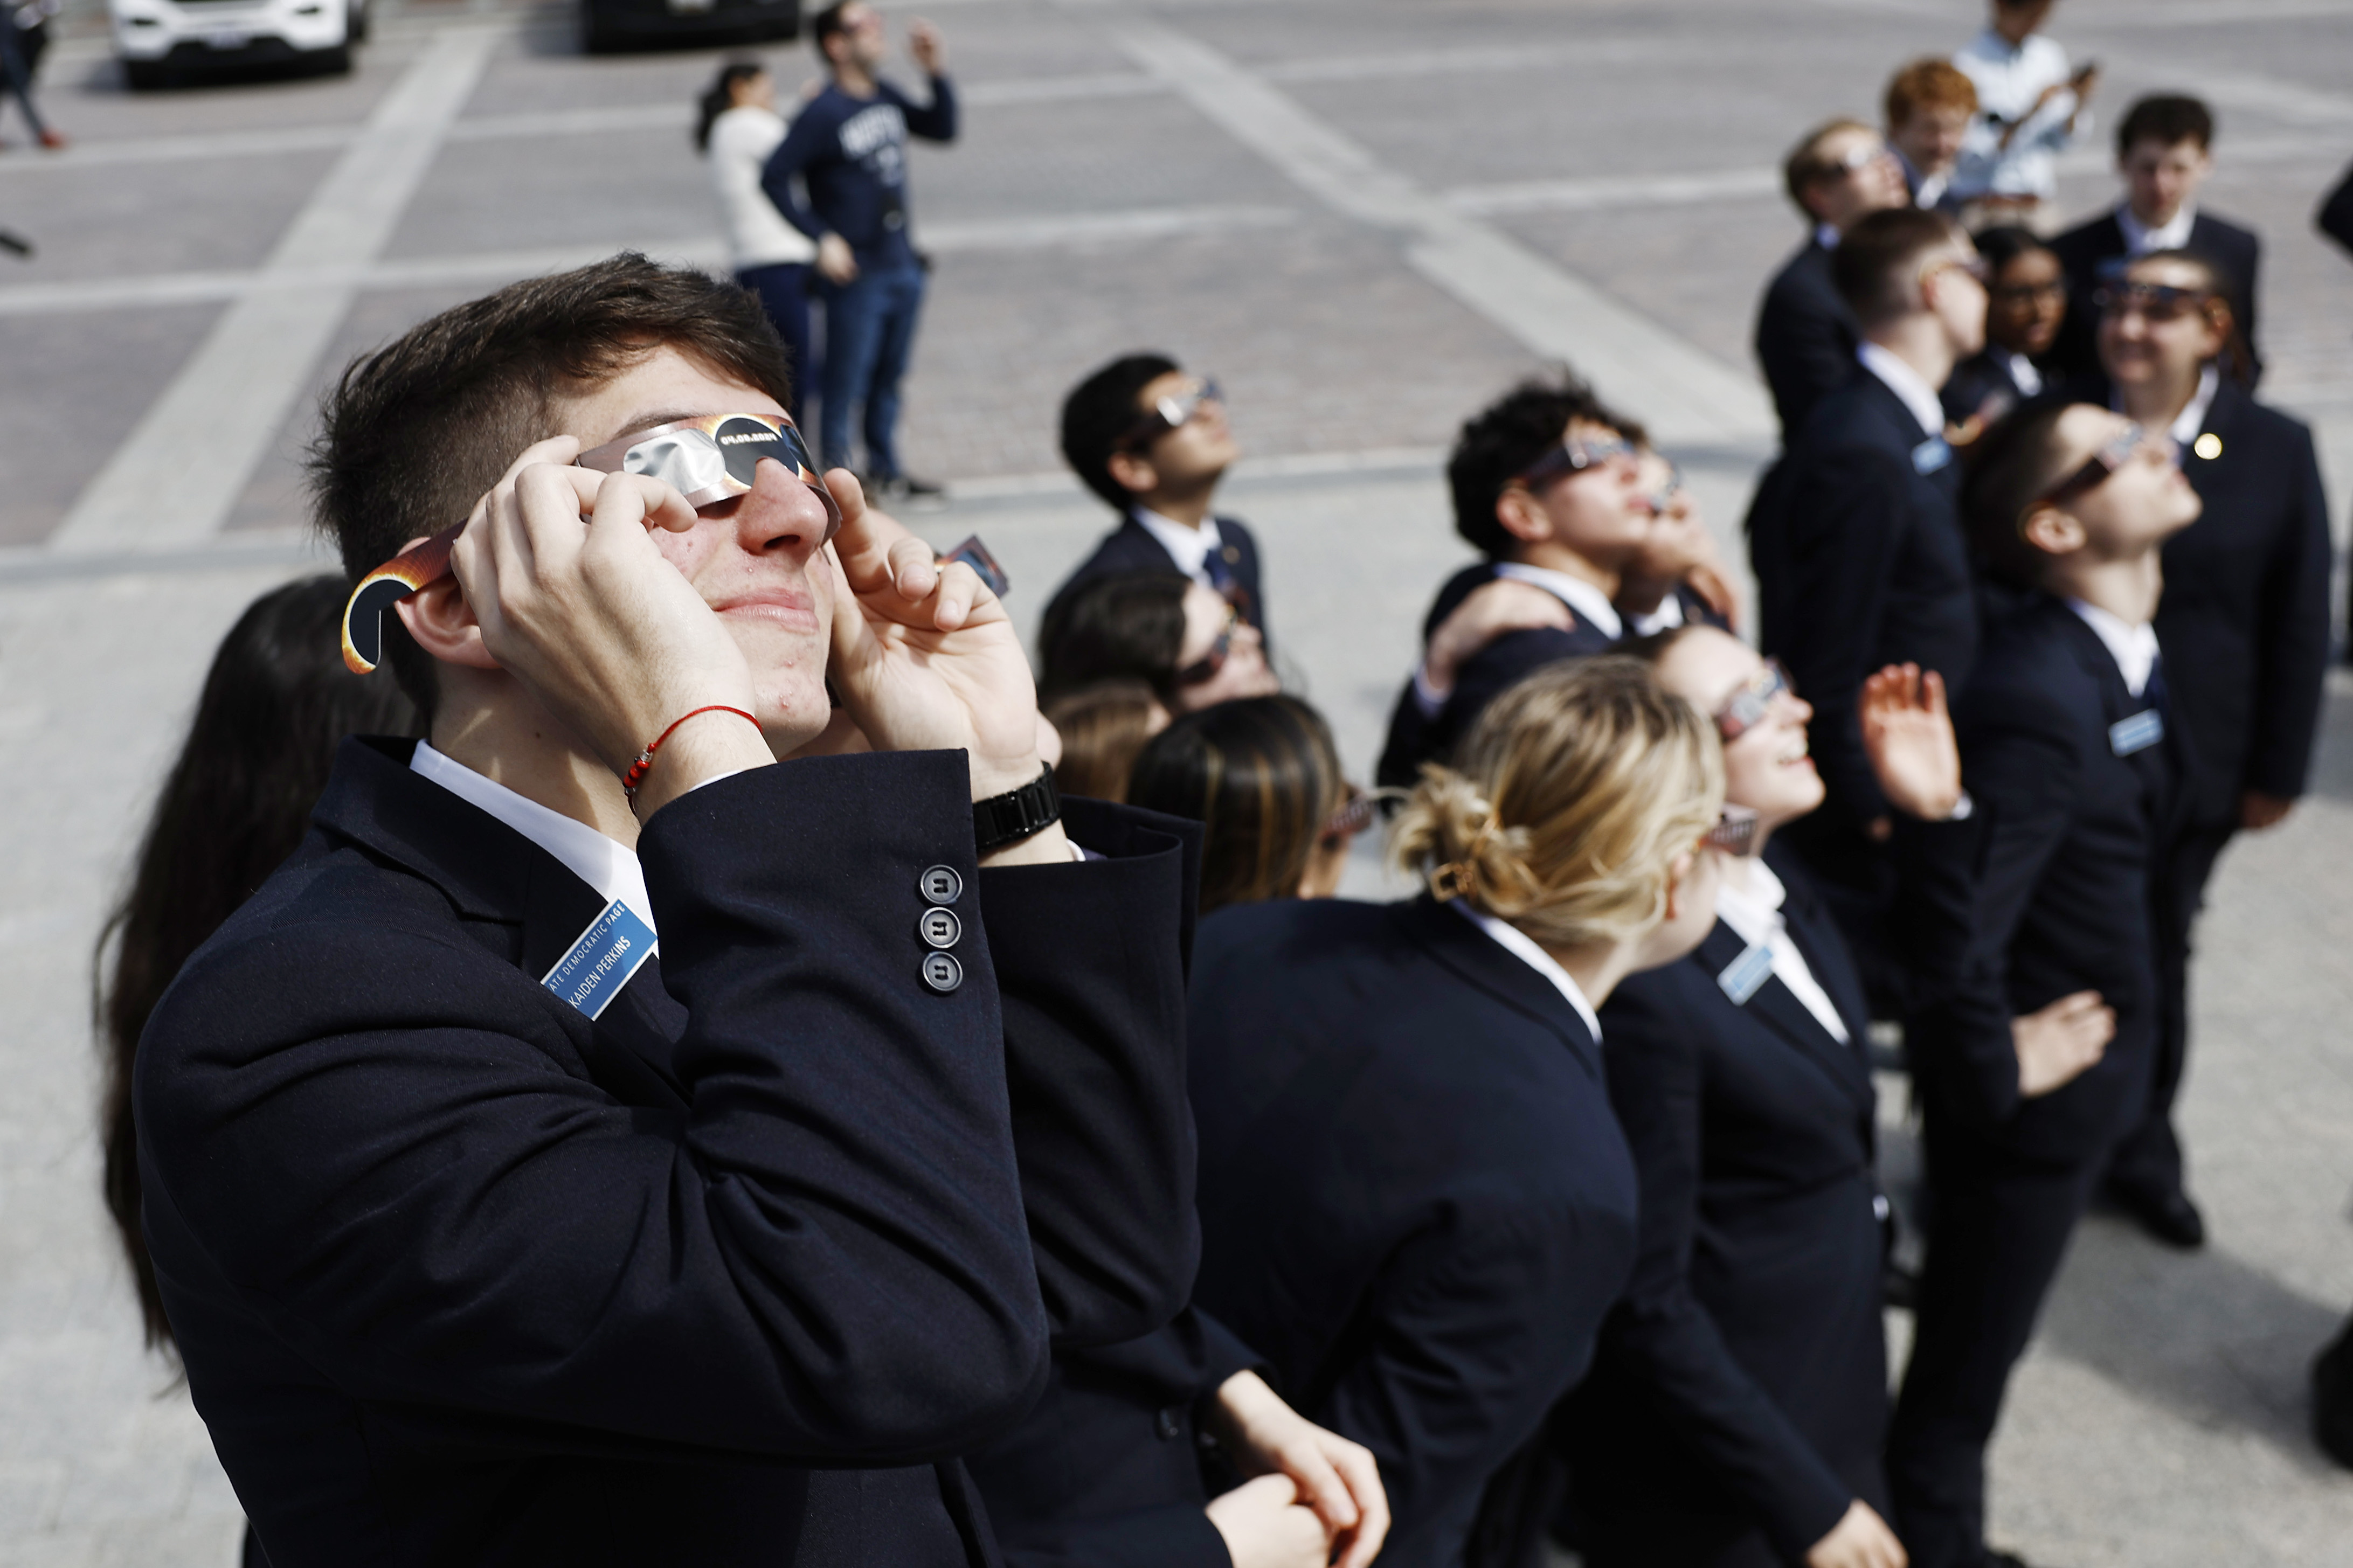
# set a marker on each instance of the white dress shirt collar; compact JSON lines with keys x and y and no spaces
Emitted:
{"x":1523,"y":947}
{"x":2192,"y":417}
{"x":2023,"y":372}
{"x":611,"y":868}
{"x":1751,"y":906}
{"x":1188,"y":547}
{"x":1577,"y":594}
{"x":2140,"y":240}
{"x":1907,"y":385}
{"x":2132,"y":647}
{"x":1665,"y":618}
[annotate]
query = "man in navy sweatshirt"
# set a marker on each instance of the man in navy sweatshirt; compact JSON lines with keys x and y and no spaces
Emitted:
{"x":849,"y":148}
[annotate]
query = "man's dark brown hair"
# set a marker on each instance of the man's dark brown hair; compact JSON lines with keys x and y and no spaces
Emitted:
{"x":2167,"y":119}
{"x":2010,"y":466}
{"x":413,"y":433}
{"x":1877,"y":268}
{"x":1507,"y":438}
{"x":1808,"y":165}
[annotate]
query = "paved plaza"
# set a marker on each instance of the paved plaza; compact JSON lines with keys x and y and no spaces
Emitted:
{"x":1365,"y":218}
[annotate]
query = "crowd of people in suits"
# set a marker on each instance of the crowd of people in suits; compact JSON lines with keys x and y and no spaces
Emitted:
{"x":559,"y":1134}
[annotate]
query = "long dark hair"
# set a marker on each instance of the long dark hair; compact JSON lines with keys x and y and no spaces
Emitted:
{"x":720,"y":97}
{"x":1127,"y":626}
{"x":1262,"y":776}
{"x":276,"y":704}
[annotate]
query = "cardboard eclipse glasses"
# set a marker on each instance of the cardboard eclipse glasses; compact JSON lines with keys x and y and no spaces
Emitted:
{"x":707,"y":460}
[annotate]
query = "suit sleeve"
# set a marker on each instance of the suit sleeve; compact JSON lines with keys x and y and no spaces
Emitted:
{"x":1090,"y":964}
{"x":1464,"y":1341}
{"x":821,"y":1259}
{"x":1408,"y":743}
{"x":1966,"y":887}
{"x":1662,"y":1333}
{"x":1844,"y":517}
{"x":2293,"y":658}
{"x":1500,"y":666}
{"x":808,"y":136}
{"x":1807,"y":352}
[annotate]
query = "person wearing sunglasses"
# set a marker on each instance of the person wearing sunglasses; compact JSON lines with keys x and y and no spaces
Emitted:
{"x":614,"y":1136}
{"x":2164,"y":154}
{"x":2027,"y":304}
{"x":1840,"y":173}
{"x":2246,"y":627}
{"x":1860,"y":559}
{"x":1738,"y":1400}
{"x":2043,"y":904}
{"x":1154,"y":442}
{"x":1192,"y":648}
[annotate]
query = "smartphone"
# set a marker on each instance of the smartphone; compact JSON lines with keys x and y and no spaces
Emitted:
{"x":975,"y":554}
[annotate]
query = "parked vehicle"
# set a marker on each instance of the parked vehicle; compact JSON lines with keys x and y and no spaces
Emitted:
{"x":161,"y":40}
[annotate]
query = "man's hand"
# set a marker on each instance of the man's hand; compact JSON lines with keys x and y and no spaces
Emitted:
{"x":835,"y":262}
{"x":2060,"y":1043}
{"x":1505,"y":604}
{"x":1908,"y":735}
{"x":1678,"y":549}
{"x":2258,"y":811}
{"x":598,"y":625}
{"x":923,"y":42}
{"x":1336,"y":1477}
{"x":926,"y":660}
{"x":1861,"y":1539}
{"x":1263,"y":1528}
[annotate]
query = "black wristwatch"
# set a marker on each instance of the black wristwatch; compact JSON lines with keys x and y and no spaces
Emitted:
{"x":1008,"y":818}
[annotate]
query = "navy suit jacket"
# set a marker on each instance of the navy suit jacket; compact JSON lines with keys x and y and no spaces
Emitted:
{"x":1131,"y":548}
{"x":1981,"y":385}
{"x":1746,"y":1373}
{"x":2084,"y":248}
{"x":1806,"y":337}
{"x":459,"y":1275}
{"x":1415,"y":1201}
{"x":1861,"y":562}
{"x":2045,"y":889}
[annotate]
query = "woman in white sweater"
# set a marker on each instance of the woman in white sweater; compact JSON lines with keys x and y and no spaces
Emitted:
{"x":738,"y":128}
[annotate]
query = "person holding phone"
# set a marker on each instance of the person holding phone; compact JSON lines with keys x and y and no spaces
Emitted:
{"x":2031,"y":105}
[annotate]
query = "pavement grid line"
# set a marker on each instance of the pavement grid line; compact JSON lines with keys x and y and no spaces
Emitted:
{"x":174,"y":478}
{"x":1682,"y":393}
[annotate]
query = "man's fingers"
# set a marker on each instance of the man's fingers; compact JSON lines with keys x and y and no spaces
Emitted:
{"x":1320,"y":1486}
{"x":868,"y":539}
{"x":1362,"y":1474}
{"x":556,"y":449}
{"x":913,"y":568}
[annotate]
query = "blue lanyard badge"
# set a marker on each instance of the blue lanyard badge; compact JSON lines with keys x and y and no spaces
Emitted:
{"x":1931,"y":454}
{"x":602,"y":959}
{"x":1744,"y":975}
{"x":2137,"y":733}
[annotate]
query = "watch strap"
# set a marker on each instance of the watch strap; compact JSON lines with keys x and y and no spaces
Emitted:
{"x":1008,"y":818}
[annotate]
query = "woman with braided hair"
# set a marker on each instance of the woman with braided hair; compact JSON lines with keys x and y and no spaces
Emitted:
{"x":1415,"y":1203}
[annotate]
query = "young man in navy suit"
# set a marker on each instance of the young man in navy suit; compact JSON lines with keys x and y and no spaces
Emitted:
{"x":2164,"y":153}
{"x":2245,"y":620}
{"x":1840,"y":173}
{"x":1858,"y":556}
{"x":2034,"y":920}
{"x":603,"y":1142}
{"x":1154,"y":443}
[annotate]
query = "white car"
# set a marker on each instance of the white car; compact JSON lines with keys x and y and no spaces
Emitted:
{"x":157,"y":40}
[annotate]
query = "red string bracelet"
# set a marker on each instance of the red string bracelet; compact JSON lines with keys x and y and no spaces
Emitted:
{"x":645,"y":762}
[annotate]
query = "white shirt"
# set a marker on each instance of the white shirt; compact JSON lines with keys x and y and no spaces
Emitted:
{"x":1753,"y":910}
{"x":1908,"y":383}
{"x":2192,"y":417}
{"x":2008,"y":81}
{"x":2140,"y":240}
{"x":1666,"y":617}
{"x":1523,"y":947}
{"x":1577,"y":594}
{"x":2023,"y":372}
{"x":610,"y":867}
{"x":1188,"y":547}
{"x":758,"y":234}
{"x":2132,"y":647}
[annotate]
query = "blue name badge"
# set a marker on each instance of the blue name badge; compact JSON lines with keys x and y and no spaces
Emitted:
{"x":2137,"y":733}
{"x":1931,"y":454}
{"x":1744,"y":976}
{"x":601,"y":962}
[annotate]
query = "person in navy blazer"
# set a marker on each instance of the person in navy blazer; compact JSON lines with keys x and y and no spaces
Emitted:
{"x":1738,"y":1400}
{"x":1860,"y":559}
{"x":1806,"y":332}
{"x":2027,"y":303}
{"x":2034,"y":921}
{"x":1154,"y":443}
{"x":1415,"y":1201}
{"x":1559,"y":493}
{"x":2244,"y":622}
{"x":528,"y":1185}
{"x":2164,"y":152}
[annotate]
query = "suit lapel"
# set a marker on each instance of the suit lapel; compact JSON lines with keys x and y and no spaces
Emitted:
{"x":628,"y":1048}
{"x":1778,"y":1008}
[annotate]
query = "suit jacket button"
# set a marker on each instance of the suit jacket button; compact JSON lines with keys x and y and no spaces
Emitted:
{"x":939,"y":928}
{"x":941,"y":973}
{"x":1168,"y":1425}
{"x":941,"y":885}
